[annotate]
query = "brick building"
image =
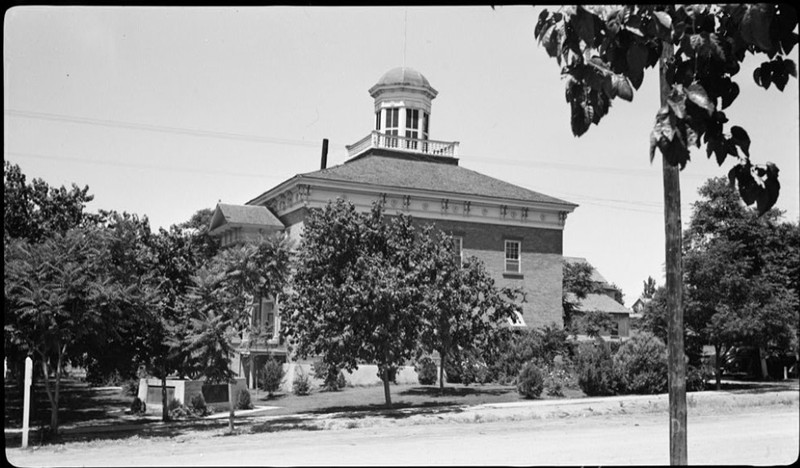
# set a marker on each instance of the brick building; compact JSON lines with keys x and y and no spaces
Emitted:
{"x":516,"y":232}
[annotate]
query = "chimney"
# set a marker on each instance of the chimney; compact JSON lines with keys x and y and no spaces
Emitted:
{"x":324,"y":162}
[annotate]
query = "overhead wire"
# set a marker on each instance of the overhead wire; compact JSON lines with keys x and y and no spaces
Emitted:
{"x":537,"y":163}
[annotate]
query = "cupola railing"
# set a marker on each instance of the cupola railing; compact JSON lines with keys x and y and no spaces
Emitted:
{"x":400,"y":143}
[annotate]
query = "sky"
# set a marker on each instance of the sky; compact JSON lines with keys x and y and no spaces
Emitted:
{"x":163,"y":111}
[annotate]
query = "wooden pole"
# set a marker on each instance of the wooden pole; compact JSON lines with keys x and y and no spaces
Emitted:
{"x":672,"y":229}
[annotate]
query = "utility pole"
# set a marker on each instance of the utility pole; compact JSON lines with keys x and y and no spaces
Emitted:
{"x":676,"y":369}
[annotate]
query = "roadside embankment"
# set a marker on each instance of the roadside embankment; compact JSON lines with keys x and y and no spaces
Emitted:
{"x":697,"y":403}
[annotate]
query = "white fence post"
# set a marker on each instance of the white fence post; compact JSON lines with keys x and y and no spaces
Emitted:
{"x":26,"y":401}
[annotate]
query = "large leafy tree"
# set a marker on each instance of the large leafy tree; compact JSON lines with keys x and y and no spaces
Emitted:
{"x":58,"y":298}
{"x":131,"y":265}
{"x":463,"y":309}
{"x":741,"y":273}
{"x":218,"y":304}
{"x":254,"y":270}
{"x":356,"y":293}
{"x":603,"y":52}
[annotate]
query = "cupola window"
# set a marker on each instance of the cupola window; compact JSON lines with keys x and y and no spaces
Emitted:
{"x":392,"y":126}
{"x":412,"y":126}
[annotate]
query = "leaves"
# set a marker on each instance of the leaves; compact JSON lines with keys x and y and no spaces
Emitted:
{"x":604,"y":50}
{"x":697,"y":94}
{"x":756,"y":184}
{"x":755,"y":26}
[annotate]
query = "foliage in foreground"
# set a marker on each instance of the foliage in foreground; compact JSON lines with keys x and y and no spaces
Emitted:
{"x":530,"y":381}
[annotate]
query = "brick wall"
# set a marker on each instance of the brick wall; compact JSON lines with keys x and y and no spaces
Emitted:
{"x":541,"y":264}
{"x":541,"y":260}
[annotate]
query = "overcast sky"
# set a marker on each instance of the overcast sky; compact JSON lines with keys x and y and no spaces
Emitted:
{"x":165,"y":111}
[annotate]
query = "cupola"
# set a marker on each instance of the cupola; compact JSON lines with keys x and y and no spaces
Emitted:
{"x":402,"y":117}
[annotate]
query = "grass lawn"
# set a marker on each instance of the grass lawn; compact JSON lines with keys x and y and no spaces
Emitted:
{"x":83,"y":405}
{"x":371,"y":398}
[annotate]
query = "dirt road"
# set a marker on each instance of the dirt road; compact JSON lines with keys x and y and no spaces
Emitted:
{"x":750,"y":436}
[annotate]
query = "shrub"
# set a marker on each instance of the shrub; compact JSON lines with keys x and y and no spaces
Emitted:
{"x":138,"y":406}
{"x":530,"y":381}
{"x":243,"y":400}
{"x":273,"y":376}
{"x":426,"y":370}
{"x":517,"y":347}
{"x":302,"y":384}
{"x":331,"y":376}
{"x":641,"y":364}
{"x":695,"y":379}
{"x":452,"y":370}
{"x":173,"y":404}
{"x":198,"y":405}
{"x":556,"y":379}
{"x":474,"y":371}
{"x":177,"y":410}
{"x":595,"y":368}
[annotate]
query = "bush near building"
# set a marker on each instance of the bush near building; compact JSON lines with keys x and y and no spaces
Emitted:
{"x":530,"y":381}
{"x":641,"y":365}
{"x":426,"y":371}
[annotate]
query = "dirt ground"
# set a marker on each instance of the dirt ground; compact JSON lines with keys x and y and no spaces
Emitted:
{"x":768,"y":436}
{"x":724,"y":428}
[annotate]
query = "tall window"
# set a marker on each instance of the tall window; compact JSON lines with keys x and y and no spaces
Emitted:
{"x":513,"y":256}
{"x":392,"y":126}
{"x":412,"y":127}
{"x":425,"y":119}
{"x":378,"y":120}
{"x":264,"y":317}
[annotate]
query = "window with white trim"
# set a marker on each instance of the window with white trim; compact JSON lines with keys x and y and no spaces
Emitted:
{"x":513,"y":256}
{"x":392,"y":125}
{"x":264,"y":317}
{"x":412,"y":127}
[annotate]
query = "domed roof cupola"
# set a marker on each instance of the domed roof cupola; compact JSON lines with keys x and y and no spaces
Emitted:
{"x":402,"y":119}
{"x":403,"y":103}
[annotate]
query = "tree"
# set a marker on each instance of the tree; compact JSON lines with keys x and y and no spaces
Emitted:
{"x":462,"y":307}
{"x":356,"y":292}
{"x":255,"y":270}
{"x":740,"y":273}
{"x":577,"y":284}
{"x":35,"y":210}
{"x":603,"y":52}
{"x":648,"y":288}
{"x":131,"y":265}
{"x":593,"y":323}
{"x":57,"y":298}
{"x":219,"y":303}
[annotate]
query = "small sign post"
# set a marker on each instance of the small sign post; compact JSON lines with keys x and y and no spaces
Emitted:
{"x":26,"y":402}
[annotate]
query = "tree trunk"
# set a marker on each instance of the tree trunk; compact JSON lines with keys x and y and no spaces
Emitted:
{"x":50,"y":394}
{"x":54,"y":415}
{"x":231,"y":402}
{"x":718,"y":365}
{"x":164,"y":402}
{"x":386,"y":392}
{"x":762,"y":358}
{"x":674,"y":276}
{"x":441,"y":371}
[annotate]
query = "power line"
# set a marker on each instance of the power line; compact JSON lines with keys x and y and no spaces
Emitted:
{"x":158,"y":128}
{"x":141,"y":165}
